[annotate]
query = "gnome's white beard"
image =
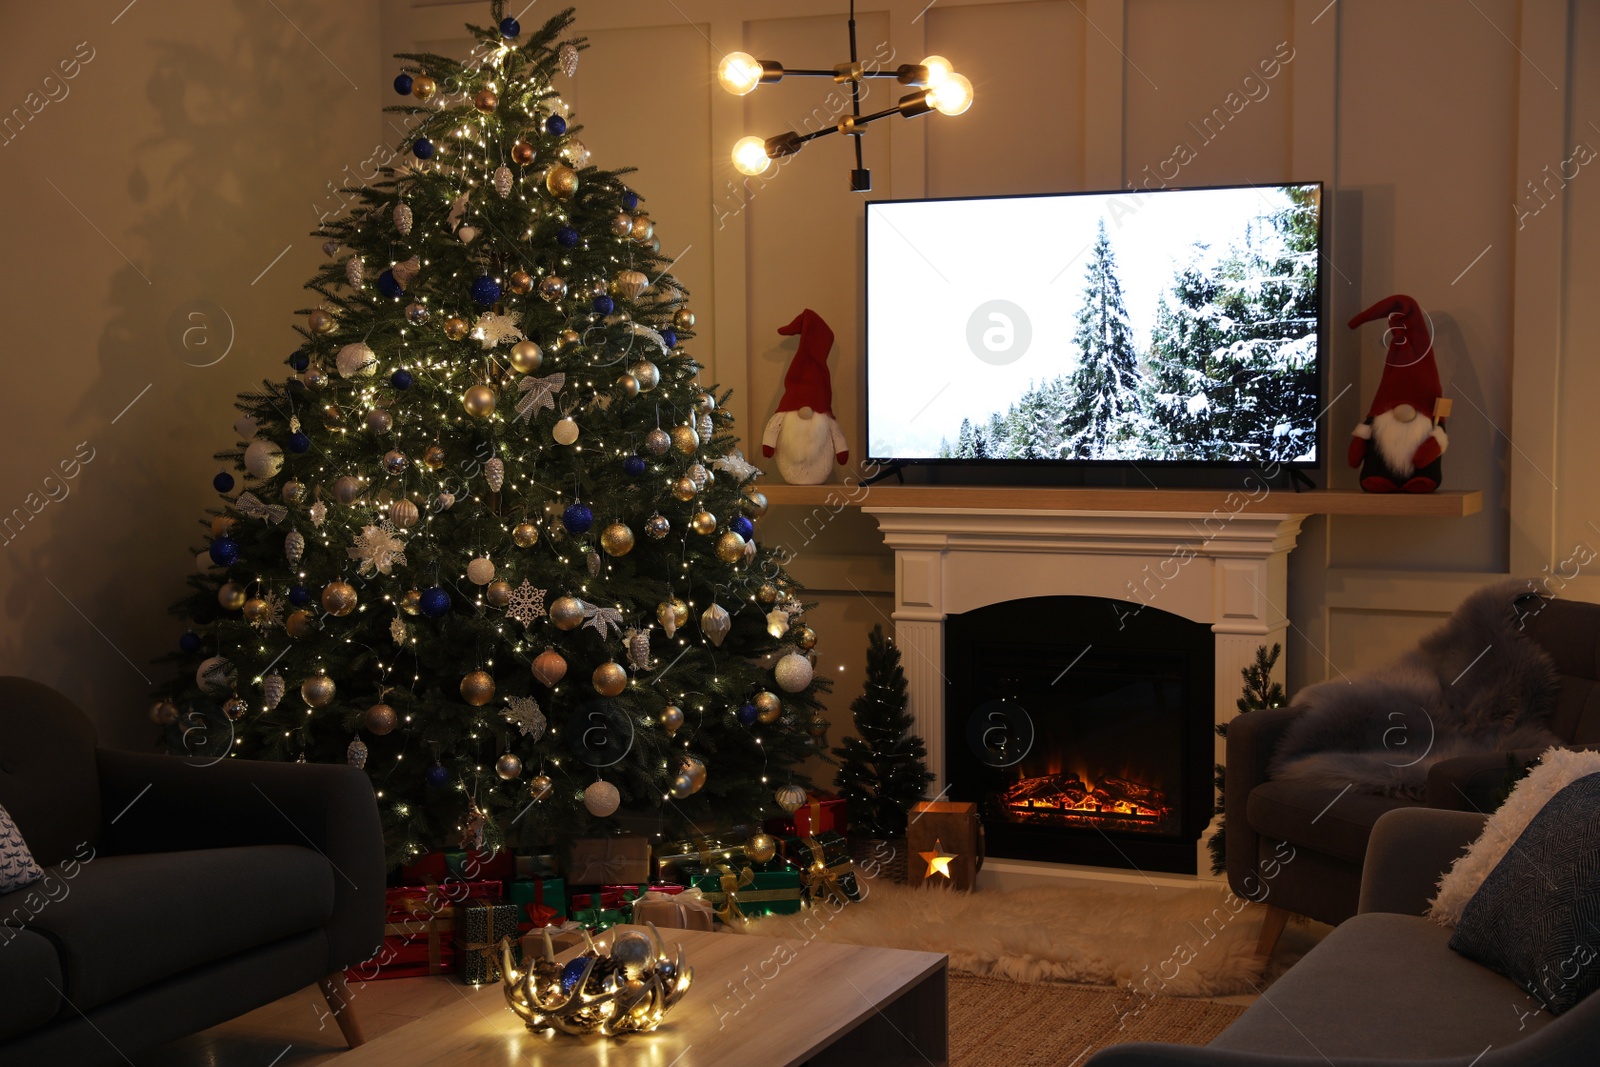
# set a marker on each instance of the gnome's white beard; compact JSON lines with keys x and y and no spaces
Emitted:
{"x":805,"y":448}
{"x":1398,"y":441}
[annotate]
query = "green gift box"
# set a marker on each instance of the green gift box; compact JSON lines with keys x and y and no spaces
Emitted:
{"x":681,"y":861}
{"x":773,"y":892}
{"x":826,"y":867}
{"x":597,"y":919}
{"x":548,"y":895}
{"x":480,"y":927}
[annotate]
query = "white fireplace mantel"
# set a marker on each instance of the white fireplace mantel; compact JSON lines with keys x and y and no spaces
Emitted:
{"x":1227,"y":570}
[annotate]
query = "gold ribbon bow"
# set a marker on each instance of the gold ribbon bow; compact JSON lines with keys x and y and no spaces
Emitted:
{"x":728,"y":908}
{"x":821,"y":880}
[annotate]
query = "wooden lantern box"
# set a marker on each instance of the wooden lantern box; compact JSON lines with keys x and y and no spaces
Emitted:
{"x":944,"y":844}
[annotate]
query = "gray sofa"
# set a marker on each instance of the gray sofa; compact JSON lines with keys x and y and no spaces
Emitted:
{"x":1385,"y":990}
{"x":178,"y":893}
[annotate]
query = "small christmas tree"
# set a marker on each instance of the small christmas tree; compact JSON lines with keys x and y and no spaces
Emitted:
{"x":1260,"y":691}
{"x":881,"y":770}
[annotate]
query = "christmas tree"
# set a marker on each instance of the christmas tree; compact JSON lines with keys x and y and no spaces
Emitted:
{"x":881,"y":770}
{"x":1260,"y":691}
{"x":1104,"y":388}
{"x":493,"y":541}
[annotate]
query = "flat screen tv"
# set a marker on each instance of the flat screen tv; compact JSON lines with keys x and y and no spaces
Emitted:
{"x":1165,"y":327}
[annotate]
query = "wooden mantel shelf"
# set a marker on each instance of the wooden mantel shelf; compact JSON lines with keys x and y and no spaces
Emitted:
{"x":1449,"y":504}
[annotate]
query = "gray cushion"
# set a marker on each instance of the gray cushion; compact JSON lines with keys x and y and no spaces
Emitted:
{"x":1536,"y":917}
{"x":1319,"y":817}
{"x":48,"y":779}
{"x":1385,"y":986}
{"x":127,"y":921}
{"x":28,"y":967}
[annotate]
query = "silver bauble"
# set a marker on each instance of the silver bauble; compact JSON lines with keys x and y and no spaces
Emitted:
{"x":263,"y":458}
{"x":356,"y":361}
{"x":793,"y":672}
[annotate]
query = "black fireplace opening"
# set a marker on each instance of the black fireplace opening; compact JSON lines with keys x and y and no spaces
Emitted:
{"x":1082,"y":729}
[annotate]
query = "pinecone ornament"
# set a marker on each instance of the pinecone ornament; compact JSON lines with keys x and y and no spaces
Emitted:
{"x":494,"y":472}
{"x":353,"y":272}
{"x":639,"y":649}
{"x":272,"y":689}
{"x":294,"y":547}
{"x":356,"y":754}
{"x":502,"y":181}
{"x":402,"y":219}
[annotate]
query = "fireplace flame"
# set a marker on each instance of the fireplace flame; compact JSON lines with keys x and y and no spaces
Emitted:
{"x":1077,"y":796}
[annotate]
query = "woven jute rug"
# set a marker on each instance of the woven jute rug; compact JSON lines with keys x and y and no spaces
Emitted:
{"x":996,"y":1023}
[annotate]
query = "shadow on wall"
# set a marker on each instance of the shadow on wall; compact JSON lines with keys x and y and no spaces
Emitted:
{"x":226,"y":157}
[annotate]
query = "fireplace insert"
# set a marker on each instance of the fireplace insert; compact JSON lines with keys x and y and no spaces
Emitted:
{"x":1082,"y":729}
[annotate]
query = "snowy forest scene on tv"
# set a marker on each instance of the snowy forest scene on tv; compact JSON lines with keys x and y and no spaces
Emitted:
{"x":1128,"y":327}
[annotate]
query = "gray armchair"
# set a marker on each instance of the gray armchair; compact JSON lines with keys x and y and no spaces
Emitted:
{"x":1385,"y":989}
{"x":1327,"y":831}
{"x":177,"y":894}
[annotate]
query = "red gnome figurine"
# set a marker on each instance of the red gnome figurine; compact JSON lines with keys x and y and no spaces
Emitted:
{"x":803,"y":432}
{"x":1399,"y":446}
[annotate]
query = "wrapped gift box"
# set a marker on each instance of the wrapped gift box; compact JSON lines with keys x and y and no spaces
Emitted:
{"x":607,"y":896}
{"x":412,"y":946}
{"x":480,"y":927}
{"x":681,"y":861}
{"x":543,"y":901}
{"x":410,"y":900}
{"x":823,"y":812}
{"x":683,"y":910}
{"x":762,"y":893}
{"x":609,"y":860}
{"x":568,"y":935}
{"x":479,"y":866}
{"x":825,"y":865}
{"x":525,"y":865}
{"x":597,"y":919}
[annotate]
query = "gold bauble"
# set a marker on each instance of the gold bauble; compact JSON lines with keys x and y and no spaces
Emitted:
{"x":617,"y":539}
{"x":479,"y":401}
{"x":629,"y":385}
{"x":338,"y":598}
{"x":685,"y":439}
{"x":642,"y":229}
{"x":477,"y":688}
{"x":423,"y":87}
{"x":381,"y":719}
{"x":621,"y":224}
{"x":567,"y":613}
{"x":671,"y":718}
{"x":761,"y":848}
{"x":525,"y":534}
{"x":520,"y":282}
{"x":768,"y":707}
{"x":647,"y":373}
{"x":299,"y":624}
{"x":755,"y":503}
{"x":379,"y":421}
{"x":683,"y":319}
{"x":411,"y":602}
{"x":565,"y":431}
{"x":320,"y":322}
{"x":480,"y":571}
{"x":522,"y":153}
{"x":485,"y":100}
{"x":562,"y":181}
{"x":318,"y":690}
{"x":609,"y":679}
{"x":684,"y":489}
{"x":768,"y":593}
{"x":806,"y":638}
{"x":550,"y":667}
{"x":526,"y":357}
{"x":455,"y":327}
{"x":433,"y":457}
{"x":568,"y":338}
{"x":730,"y":547}
{"x":346,"y":488}
{"x":673,"y":613}
{"x":164,"y":713}
{"x":221,"y":525}
{"x":255,"y":609}
{"x":293,"y":493}
{"x":498,"y":594}
{"x":508,"y":766}
{"x":231,"y":596}
{"x":703,"y":523}
{"x":539,"y":787}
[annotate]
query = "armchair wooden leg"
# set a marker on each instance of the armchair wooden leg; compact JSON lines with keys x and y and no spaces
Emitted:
{"x":337,"y":994}
{"x":1271,"y":929}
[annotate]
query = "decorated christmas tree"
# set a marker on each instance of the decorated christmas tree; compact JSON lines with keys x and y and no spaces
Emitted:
{"x":882,"y":770}
{"x":491,"y":539}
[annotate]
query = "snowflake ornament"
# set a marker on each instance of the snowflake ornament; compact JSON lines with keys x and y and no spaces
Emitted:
{"x":492,"y":329}
{"x":525,"y":714}
{"x":602,"y":619}
{"x":398,"y":631}
{"x":378,"y":548}
{"x":273,"y":616}
{"x":526,"y":604}
{"x":318,"y":512}
{"x":735,"y":466}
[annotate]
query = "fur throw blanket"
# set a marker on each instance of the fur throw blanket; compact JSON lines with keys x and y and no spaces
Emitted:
{"x":1477,"y":684}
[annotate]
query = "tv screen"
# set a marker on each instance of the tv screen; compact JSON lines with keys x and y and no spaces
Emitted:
{"x":1173,"y":326}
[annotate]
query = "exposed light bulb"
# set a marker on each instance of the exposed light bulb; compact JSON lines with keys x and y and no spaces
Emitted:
{"x":939,"y":68}
{"x":952,"y":96}
{"x":739,"y":72}
{"x":750,"y":156}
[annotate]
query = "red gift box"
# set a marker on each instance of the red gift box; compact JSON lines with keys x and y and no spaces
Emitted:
{"x":824,"y":812}
{"x":608,"y":898}
{"x":458,"y":865}
{"x":413,"y":945}
{"x":409,"y":901}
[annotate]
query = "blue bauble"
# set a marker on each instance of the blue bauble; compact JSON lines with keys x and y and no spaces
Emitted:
{"x":669,"y":338}
{"x":604,"y":305}
{"x":401,"y":379}
{"x":299,"y":442}
{"x":402,"y":84}
{"x":189,"y":642}
{"x":567,"y":237}
{"x":389,"y":285}
{"x":556,"y":124}
{"x":577,"y":518}
{"x":485,"y":290}
{"x":224,"y":551}
{"x":299,"y":360}
{"x":436,"y":776}
{"x":299,"y":596}
{"x":743,"y":527}
{"x":223,"y":482}
{"x":748,"y":714}
{"x":435,"y":602}
{"x":635,"y":466}
{"x":572,"y":972}
{"x":422,"y":148}
{"x":510,"y":27}
{"x":630,"y":201}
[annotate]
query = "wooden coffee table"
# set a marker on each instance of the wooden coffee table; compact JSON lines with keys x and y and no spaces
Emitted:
{"x":755,"y":1002}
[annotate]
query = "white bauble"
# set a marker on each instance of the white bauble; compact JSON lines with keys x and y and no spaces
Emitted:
{"x":216,"y":676}
{"x":263,"y":458}
{"x":357,"y":360}
{"x":602,"y":799}
{"x":481,"y":571}
{"x":793,"y":672}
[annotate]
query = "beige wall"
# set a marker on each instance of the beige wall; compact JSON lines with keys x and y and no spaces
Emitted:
{"x":174,"y":167}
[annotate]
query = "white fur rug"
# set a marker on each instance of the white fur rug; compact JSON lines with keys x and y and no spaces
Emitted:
{"x":1180,"y":942}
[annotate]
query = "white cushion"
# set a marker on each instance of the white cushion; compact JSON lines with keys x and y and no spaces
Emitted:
{"x":17,"y":866}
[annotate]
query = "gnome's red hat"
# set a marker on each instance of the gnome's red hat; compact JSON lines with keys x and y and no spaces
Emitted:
{"x":1410,"y":375}
{"x":808,"y":382}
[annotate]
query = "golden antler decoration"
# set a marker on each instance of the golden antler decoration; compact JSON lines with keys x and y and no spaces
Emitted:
{"x":630,"y":989}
